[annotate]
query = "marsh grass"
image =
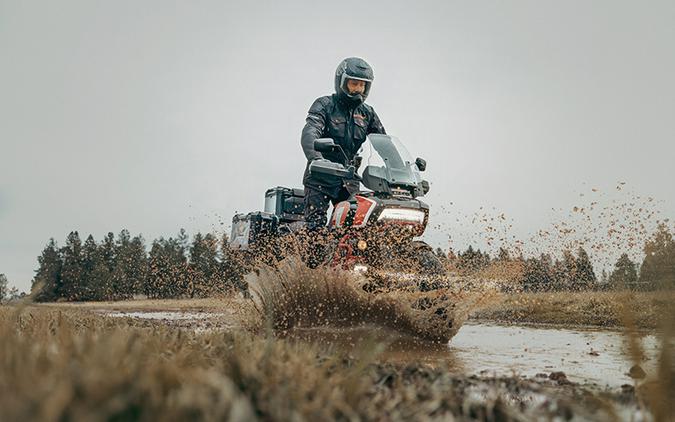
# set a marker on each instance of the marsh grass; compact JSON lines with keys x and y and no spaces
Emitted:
{"x":72,"y":365}
{"x":655,"y":393}
{"x":67,"y":363}
{"x":220,"y":304}
{"x":580,"y":308}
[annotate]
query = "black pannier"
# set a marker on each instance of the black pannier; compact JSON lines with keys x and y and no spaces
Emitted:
{"x":286,"y":203}
{"x":284,"y":213}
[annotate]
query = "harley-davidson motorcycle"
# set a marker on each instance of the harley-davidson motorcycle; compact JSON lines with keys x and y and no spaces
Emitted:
{"x":374,"y":231}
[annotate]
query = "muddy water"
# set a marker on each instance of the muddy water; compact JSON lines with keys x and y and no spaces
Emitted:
{"x":162,"y":315}
{"x":587,"y":356}
{"x":584,"y":355}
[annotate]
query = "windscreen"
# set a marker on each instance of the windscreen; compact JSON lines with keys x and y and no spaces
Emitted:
{"x":385,"y":157}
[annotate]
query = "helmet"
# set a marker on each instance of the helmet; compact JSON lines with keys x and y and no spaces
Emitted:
{"x":353,"y":68}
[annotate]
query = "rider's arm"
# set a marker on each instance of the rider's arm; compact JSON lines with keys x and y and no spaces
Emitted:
{"x":376,"y":125}
{"x":316,"y":122}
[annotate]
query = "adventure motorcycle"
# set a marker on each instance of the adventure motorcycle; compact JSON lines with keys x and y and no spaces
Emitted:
{"x":373,"y":230}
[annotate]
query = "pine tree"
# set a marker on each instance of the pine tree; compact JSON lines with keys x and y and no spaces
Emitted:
{"x":89,"y":261}
{"x":46,"y":285}
{"x":537,"y":274}
{"x":546,"y":268}
{"x":122,"y":285}
{"x":178,"y":250}
{"x":71,"y":271}
{"x":203,"y":265}
{"x":624,"y":274}
{"x":156,"y":265}
{"x":564,"y":271}
{"x":99,"y":278}
{"x":470,"y":260}
{"x":107,"y":248}
{"x":167,"y":269}
{"x":584,"y":276}
{"x":4,"y":288}
{"x":182,"y":241}
{"x":196,"y":266}
{"x":232,"y":266}
{"x":658,"y":267}
{"x":137,"y":268}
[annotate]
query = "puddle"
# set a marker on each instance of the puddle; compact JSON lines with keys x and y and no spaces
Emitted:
{"x":585,"y":356}
{"x":171,"y":316}
{"x":200,"y":322}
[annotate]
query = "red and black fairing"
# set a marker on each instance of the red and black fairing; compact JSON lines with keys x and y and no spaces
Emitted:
{"x":362,"y":236}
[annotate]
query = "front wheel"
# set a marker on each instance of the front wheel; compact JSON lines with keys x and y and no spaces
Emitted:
{"x":428,"y":261}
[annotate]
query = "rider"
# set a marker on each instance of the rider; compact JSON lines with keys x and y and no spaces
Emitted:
{"x":347,"y":119}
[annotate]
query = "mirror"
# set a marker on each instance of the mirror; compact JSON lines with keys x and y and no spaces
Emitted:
{"x":421,"y":163}
{"x":425,"y":187}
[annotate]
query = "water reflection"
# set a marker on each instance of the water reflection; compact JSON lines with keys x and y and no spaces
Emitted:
{"x":585,"y":355}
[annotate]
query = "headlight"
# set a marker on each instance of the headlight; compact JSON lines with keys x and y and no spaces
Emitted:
{"x":402,"y":214}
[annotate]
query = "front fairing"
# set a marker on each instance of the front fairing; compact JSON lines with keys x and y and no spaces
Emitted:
{"x":388,"y":167}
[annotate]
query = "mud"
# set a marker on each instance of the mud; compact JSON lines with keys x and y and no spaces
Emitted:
{"x":294,"y":296}
{"x":530,"y":372}
{"x":586,"y":356}
{"x":197,"y":321}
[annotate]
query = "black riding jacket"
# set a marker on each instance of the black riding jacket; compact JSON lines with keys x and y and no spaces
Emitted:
{"x":329,"y":117}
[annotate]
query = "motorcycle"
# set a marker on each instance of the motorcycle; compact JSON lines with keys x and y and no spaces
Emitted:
{"x":374,"y":230}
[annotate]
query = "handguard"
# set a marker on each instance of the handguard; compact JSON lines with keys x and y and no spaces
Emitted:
{"x":330,"y":168}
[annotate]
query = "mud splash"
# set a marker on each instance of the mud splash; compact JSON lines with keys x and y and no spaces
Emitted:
{"x":293,"y":296}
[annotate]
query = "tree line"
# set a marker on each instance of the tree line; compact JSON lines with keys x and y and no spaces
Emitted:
{"x":573,"y":271}
{"x":118,"y":268}
{"x":6,"y":292}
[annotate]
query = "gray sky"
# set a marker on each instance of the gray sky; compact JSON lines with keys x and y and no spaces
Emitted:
{"x":156,"y":115}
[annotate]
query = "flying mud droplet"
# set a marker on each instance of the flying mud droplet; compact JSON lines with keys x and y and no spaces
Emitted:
{"x":293,"y":296}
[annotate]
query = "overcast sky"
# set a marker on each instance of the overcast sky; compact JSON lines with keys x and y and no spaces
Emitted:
{"x":157,"y":115}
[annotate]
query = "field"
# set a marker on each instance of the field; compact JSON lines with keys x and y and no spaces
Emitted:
{"x":597,"y":309}
{"x":240,"y":359}
{"x":601,"y":309}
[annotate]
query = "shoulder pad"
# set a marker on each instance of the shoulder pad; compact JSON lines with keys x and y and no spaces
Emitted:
{"x":368,"y":108}
{"x":320,"y":104}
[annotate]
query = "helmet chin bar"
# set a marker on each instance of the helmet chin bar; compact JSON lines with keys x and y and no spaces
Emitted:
{"x":353,"y":100}
{"x":355,"y":96}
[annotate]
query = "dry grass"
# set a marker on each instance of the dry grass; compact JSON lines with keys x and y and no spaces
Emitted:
{"x":215,"y":304}
{"x":580,"y":308}
{"x":77,"y":366}
{"x":67,"y":363}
